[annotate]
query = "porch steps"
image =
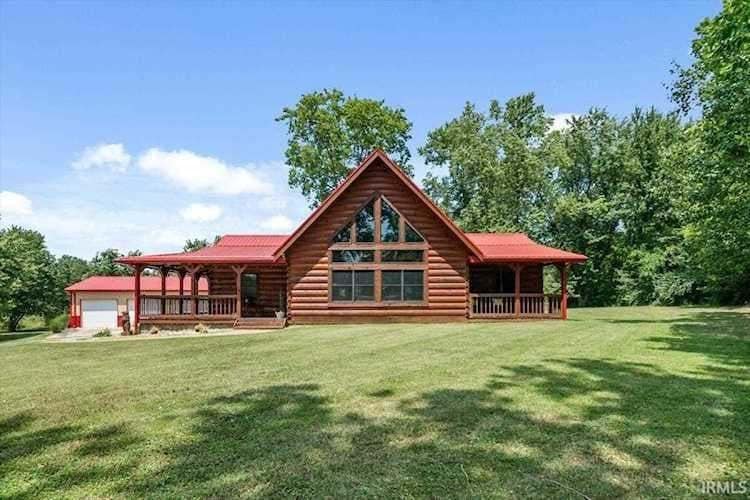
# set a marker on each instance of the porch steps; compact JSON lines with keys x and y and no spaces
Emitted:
{"x":259,"y":324}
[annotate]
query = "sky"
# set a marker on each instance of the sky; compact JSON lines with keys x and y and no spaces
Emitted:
{"x":137,"y":125}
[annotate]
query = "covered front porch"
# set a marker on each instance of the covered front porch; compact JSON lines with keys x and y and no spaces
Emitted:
{"x":246,"y":285}
{"x":238,"y":295}
{"x":516,"y":290}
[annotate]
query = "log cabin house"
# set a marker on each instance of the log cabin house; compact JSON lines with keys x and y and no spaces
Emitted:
{"x":376,"y":249}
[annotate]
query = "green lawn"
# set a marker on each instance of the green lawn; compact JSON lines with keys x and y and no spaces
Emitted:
{"x":634,"y":402}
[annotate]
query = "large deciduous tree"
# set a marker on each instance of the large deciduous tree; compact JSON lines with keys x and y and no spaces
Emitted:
{"x":492,"y":172}
{"x":585,"y":214}
{"x":329,"y":133}
{"x":717,"y":179}
{"x":27,"y":278}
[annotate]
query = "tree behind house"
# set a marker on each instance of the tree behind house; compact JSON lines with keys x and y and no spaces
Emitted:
{"x":103,"y":263}
{"x":498,"y":167}
{"x":329,"y":133}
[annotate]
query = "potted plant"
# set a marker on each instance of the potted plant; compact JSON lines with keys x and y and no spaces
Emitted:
{"x":280,"y":312}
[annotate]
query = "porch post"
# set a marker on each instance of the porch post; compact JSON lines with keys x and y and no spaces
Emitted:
{"x":163,"y":271}
{"x":181,"y":275}
{"x":194,"y":277}
{"x":238,"y":270}
{"x":137,"y":305}
{"x":564,"y":291}
{"x":517,"y":290}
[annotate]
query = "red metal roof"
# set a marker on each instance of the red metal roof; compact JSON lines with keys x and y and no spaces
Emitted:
{"x":127,"y":284}
{"x":517,"y":247}
{"x":260,"y":249}
{"x":252,"y":240}
{"x":268,"y":248}
{"x":230,"y":249}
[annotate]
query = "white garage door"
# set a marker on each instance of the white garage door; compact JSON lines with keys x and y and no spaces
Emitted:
{"x":99,"y":313}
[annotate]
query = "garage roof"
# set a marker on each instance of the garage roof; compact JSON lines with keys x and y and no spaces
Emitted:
{"x":127,"y":284}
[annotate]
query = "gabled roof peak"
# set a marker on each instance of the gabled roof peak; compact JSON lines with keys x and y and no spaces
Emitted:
{"x":378,"y":154}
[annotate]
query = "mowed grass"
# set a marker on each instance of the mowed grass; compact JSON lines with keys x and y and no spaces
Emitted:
{"x":621,"y":402}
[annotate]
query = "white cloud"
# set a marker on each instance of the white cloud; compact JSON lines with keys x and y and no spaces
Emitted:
{"x":560,"y":121}
{"x":272,"y":203}
{"x":201,"y":212}
{"x":14,"y":204}
{"x":202,"y":173}
{"x":112,"y":156}
{"x":277,"y":223}
{"x":169,"y":239}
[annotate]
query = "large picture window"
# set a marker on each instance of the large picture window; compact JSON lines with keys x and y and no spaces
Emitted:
{"x":377,"y":256}
{"x":402,"y":285}
{"x":353,"y":286}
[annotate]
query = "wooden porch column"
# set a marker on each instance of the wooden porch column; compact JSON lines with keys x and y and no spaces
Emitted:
{"x":517,"y":290}
{"x":564,"y":291}
{"x":238,"y":270}
{"x":194,"y":277}
{"x":163,"y":272}
{"x":181,"y":275}
{"x":137,"y":305}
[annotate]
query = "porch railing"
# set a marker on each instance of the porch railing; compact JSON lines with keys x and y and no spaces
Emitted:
{"x":169,"y":305}
{"x":503,"y":305}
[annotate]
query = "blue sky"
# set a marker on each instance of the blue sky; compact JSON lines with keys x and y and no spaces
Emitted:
{"x":123,"y":123}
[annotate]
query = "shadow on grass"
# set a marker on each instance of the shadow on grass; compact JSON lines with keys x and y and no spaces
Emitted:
{"x":7,"y":337}
{"x":73,"y":457}
{"x":723,"y":337}
{"x":596,"y":428}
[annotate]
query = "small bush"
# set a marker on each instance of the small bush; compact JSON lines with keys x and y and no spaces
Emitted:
{"x":153,"y":330}
{"x":58,"y":323}
{"x":104,"y":332}
{"x":201,"y":328}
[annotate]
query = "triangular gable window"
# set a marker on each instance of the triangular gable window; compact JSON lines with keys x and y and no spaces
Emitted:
{"x":411,"y":235}
{"x":390,"y":227}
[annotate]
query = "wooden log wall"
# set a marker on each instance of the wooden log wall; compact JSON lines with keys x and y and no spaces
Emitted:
{"x":308,"y":267}
{"x":271,"y":282}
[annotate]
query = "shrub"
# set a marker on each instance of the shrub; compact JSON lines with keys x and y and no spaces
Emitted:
{"x":58,"y":323}
{"x":201,"y":328}
{"x":104,"y":332}
{"x":153,"y":330}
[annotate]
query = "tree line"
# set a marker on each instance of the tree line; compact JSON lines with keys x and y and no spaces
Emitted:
{"x":660,"y":203}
